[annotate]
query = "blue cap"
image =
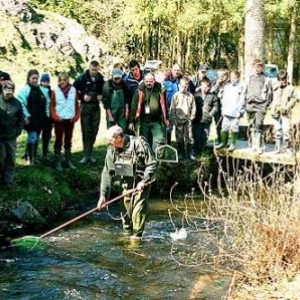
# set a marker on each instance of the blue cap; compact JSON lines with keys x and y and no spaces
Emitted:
{"x":117,"y":73}
{"x":45,"y":77}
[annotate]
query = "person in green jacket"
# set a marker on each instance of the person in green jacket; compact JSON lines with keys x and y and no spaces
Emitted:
{"x":131,"y":161}
{"x":115,"y":99}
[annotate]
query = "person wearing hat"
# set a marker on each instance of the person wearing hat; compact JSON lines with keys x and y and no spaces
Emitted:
{"x":201,"y":74}
{"x":11,"y":124}
{"x":47,"y":130}
{"x":116,"y":98}
{"x":35,"y":102}
{"x":89,"y":87}
{"x":4,"y":77}
{"x":130,"y":161}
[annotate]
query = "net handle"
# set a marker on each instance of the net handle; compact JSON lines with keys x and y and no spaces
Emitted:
{"x":91,"y":211}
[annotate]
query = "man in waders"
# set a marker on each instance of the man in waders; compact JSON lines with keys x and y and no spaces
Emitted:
{"x":115,"y":99}
{"x":130,"y":160}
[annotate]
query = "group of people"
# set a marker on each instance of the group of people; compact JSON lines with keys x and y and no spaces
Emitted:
{"x":141,"y":113}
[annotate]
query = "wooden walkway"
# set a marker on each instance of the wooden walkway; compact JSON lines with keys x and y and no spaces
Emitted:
{"x":243,"y":152}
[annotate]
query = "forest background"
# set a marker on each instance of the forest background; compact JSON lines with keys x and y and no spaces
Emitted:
{"x":187,"y":31}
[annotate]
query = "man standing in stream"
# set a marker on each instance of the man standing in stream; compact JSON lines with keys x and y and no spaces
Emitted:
{"x":130,"y":160}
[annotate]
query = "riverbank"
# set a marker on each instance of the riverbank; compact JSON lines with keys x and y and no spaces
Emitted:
{"x":40,"y":194}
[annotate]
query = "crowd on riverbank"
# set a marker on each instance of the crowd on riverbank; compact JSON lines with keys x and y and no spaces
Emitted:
{"x":141,"y":103}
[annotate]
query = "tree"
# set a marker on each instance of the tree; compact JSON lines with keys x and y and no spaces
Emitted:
{"x":254,"y":33}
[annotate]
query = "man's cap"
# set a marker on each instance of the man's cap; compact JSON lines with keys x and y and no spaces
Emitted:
{"x":45,"y":77}
{"x":116,"y":73}
{"x":203,"y":67}
{"x":9,"y":87}
{"x":4,"y":76}
{"x":114,"y":131}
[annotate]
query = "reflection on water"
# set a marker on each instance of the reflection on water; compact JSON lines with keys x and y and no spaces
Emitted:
{"x":92,"y":260}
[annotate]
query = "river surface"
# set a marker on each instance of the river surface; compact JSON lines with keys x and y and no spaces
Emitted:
{"x":92,"y":260}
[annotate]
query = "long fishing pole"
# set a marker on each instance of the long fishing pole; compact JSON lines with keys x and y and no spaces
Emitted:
{"x":37,"y":238}
{"x":86,"y":213}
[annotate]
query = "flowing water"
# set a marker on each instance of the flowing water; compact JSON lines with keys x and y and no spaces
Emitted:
{"x":92,"y":260}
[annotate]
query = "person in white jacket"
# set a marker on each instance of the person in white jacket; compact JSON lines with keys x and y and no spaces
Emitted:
{"x":64,"y":112}
{"x":233,"y":107}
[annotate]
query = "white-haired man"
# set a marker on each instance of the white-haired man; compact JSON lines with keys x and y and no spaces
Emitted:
{"x":131,"y":161}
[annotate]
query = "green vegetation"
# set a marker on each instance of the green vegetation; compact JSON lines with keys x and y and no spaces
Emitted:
{"x":185,"y":31}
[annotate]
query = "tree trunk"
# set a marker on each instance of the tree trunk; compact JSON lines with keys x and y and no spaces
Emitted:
{"x":292,"y":40}
{"x":254,"y":33}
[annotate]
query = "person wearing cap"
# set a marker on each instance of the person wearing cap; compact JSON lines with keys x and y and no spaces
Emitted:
{"x":201,"y":74}
{"x":11,"y":124}
{"x":148,"y":112}
{"x":258,"y":93}
{"x":115,"y":99}
{"x":89,"y":87}
{"x":47,"y":130}
{"x":131,"y":161}
{"x":64,"y":112}
{"x":4,"y":77}
{"x":35,"y":102}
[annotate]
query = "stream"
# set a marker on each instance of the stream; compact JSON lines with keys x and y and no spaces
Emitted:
{"x":93,"y":260}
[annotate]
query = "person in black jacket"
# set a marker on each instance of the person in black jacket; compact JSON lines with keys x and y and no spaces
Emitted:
{"x":89,"y":86}
{"x":11,"y":124}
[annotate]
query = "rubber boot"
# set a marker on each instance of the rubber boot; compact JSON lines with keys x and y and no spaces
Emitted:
{"x":36,"y":161}
{"x":233,"y":140}
{"x":224,"y":140}
{"x":69,"y":160}
{"x":90,"y":154}
{"x":58,"y":166}
{"x":257,"y":143}
{"x":181,"y":151}
{"x":285,"y":147}
{"x":278,"y":146}
{"x":31,"y":152}
{"x":45,"y":149}
{"x":190,"y":152}
{"x":25,"y":154}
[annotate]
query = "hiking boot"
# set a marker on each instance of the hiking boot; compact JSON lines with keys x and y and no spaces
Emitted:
{"x":84,"y":160}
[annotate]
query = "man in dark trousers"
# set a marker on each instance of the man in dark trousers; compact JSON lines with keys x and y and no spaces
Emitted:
{"x":258,"y":93}
{"x":131,"y":161}
{"x":11,"y":124}
{"x":89,"y":86}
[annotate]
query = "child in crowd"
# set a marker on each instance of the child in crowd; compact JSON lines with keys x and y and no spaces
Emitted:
{"x":182,"y":113}
{"x":209,"y":107}
{"x":233,"y":107}
{"x":284,"y":99}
